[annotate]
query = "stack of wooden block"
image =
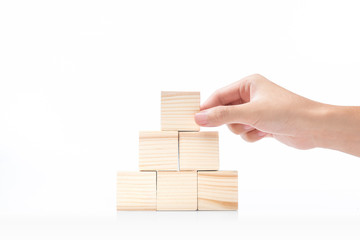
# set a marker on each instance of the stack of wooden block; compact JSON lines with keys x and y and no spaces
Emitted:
{"x":179,"y":166}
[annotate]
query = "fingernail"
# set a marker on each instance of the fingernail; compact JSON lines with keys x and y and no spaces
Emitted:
{"x":201,"y":118}
{"x":261,"y":134}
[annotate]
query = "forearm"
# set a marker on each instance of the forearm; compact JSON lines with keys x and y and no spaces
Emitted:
{"x":338,"y":128}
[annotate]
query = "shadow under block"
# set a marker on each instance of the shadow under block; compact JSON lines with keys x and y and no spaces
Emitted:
{"x":136,"y":191}
{"x":217,"y":190}
{"x":177,"y":190}
{"x":178,"y":110}
{"x":199,"y":150}
{"x":158,"y":150}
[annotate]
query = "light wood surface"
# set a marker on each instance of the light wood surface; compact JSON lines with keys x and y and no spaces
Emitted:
{"x":158,"y":150}
{"x":199,"y":150}
{"x":136,"y":191}
{"x":178,"y":110}
{"x":177,"y":190}
{"x":217,"y":190}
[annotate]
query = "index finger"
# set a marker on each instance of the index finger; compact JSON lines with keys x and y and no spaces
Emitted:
{"x":228,"y":95}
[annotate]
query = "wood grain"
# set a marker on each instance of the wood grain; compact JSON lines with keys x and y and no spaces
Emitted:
{"x":177,"y":190}
{"x":199,"y":150}
{"x":158,"y":150}
{"x":217,"y":190}
{"x":178,"y":110}
{"x":136,"y":191}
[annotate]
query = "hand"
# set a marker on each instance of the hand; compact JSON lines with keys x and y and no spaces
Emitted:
{"x":255,"y":107}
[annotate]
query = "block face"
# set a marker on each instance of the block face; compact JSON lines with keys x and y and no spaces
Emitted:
{"x":199,"y":150}
{"x":178,"y":110}
{"x":177,"y":190}
{"x":136,"y":191}
{"x":158,"y":150}
{"x":217,"y":190}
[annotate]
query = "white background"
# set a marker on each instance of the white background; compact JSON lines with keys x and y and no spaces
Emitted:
{"x":79,"y":79}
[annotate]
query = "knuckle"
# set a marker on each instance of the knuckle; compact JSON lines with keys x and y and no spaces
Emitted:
{"x":247,"y":137}
{"x":217,"y":91}
{"x":238,"y":131}
{"x":257,"y":76}
{"x":235,"y":129}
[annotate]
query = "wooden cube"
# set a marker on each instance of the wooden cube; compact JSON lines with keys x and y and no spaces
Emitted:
{"x":136,"y":191}
{"x":199,"y":150}
{"x":158,"y":150}
{"x":177,"y":190}
{"x":217,"y":190}
{"x":178,"y":110}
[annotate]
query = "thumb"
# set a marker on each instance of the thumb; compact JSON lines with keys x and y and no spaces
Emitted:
{"x":220,"y":115}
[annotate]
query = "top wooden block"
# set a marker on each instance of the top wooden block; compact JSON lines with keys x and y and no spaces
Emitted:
{"x":178,"y":110}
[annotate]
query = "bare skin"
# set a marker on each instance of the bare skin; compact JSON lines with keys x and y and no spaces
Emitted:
{"x":255,"y":107}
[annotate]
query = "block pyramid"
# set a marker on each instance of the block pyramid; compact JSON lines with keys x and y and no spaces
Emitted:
{"x":179,"y":165}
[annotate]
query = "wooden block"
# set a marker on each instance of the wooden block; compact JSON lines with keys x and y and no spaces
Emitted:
{"x":217,"y":190}
{"x":177,"y":190}
{"x":158,"y":150}
{"x":178,"y":110}
{"x":199,"y":150}
{"x":136,"y":191}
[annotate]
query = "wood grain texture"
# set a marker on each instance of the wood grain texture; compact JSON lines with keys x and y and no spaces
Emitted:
{"x":217,"y":190}
{"x":177,"y":190}
{"x":136,"y":191}
{"x":178,"y":110}
{"x":199,"y":150}
{"x":158,"y":150}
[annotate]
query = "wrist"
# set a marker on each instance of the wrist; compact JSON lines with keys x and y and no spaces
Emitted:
{"x":337,"y":127}
{"x":324,"y":129}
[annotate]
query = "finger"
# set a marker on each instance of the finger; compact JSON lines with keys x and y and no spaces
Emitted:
{"x":254,"y":135}
{"x":222,"y":96}
{"x":237,"y":92}
{"x":216,"y":116}
{"x":239,"y":129}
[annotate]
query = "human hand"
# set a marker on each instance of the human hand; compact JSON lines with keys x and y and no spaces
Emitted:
{"x":255,"y":107}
